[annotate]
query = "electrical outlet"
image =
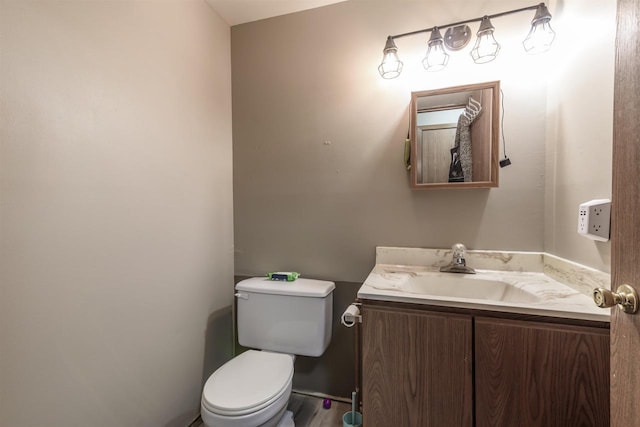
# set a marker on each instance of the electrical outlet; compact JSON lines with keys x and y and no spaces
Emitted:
{"x":594,"y":219}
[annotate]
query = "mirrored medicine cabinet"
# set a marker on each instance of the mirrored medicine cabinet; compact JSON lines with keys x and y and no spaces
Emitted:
{"x":454,"y":136}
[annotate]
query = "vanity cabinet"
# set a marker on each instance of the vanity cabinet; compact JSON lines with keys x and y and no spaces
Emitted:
{"x":427,"y":367}
{"x":540,"y":374}
{"x":416,"y":368}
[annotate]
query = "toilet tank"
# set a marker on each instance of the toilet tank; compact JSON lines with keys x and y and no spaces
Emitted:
{"x":285,"y":317}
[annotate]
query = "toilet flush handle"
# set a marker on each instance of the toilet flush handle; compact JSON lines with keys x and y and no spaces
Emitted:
{"x":241,"y":295}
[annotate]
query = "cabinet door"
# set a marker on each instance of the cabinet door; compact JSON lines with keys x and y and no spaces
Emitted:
{"x":537,"y":374}
{"x":416,"y":368}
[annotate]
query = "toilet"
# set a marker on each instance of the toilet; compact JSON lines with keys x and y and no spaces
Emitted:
{"x":277,"y":320}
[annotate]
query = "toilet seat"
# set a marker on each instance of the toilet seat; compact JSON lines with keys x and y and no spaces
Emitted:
{"x":248,"y":383}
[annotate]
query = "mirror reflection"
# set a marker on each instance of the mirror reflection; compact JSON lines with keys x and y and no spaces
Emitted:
{"x":454,"y":137}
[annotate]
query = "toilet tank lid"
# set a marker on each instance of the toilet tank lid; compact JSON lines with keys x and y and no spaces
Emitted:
{"x":301,"y":287}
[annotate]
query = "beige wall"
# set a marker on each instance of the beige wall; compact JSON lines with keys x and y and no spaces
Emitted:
{"x":318,"y":177}
{"x":116,"y":210}
{"x":318,"y":140}
{"x":580,"y":127}
{"x":318,"y":143}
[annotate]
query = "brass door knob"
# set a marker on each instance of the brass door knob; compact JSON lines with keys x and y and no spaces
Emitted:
{"x":625,"y":297}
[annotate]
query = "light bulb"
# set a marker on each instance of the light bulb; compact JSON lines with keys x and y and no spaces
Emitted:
{"x":541,"y":34}
{"x":486,"y":48}
{"x":436,"y":58}
{"x":391,"y":66}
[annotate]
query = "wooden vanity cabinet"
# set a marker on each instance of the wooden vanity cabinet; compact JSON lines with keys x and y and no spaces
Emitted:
{"x":416,"y":368}
{"x":539,"y":374}
{"x":463,"y":368}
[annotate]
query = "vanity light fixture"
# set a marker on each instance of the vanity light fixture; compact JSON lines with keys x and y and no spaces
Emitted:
{"x":541,"y":34}
{"x":436,"y":58}
{"x":486,"y":48}
{"x":391,"y":66}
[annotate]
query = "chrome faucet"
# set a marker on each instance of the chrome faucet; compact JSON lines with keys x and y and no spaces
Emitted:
{"x":459,"y":263}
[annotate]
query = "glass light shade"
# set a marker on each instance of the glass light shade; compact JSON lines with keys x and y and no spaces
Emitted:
{"x":391,"y":66}
{"x":541,"y":34}
{"x":486,"y":48}
{"x":436,"y":58}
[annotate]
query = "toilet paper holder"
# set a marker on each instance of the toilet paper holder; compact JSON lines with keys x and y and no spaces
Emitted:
{"x":351,"y":315}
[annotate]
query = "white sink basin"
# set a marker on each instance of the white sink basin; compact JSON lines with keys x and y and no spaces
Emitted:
{"x":467,"y":287}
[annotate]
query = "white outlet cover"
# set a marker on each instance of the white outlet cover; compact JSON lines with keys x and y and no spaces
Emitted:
{"x":594,"y":219}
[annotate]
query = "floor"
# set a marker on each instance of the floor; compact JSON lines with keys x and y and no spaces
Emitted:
{"x":308,"y":412}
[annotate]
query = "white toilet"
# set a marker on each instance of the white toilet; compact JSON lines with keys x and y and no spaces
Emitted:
{"x":281,"y":319}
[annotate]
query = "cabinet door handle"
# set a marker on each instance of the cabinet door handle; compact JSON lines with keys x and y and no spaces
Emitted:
{"x":625,"y":297}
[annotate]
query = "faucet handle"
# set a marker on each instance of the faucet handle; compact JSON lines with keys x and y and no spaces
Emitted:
{"x":458,"y":264}
{"x":459,"y":250}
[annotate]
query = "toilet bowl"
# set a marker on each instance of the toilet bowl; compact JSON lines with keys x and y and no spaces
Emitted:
{"x":252,"y":389}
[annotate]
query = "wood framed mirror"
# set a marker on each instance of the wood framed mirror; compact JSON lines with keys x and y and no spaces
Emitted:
{"x":454,"y":136}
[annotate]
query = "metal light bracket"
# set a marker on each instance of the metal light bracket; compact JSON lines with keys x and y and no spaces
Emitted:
{"x":456,"y":38}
